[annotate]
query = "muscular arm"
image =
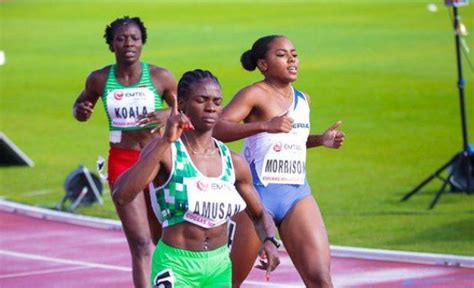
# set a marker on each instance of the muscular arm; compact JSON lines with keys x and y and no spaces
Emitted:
{"x":263,"y":222}
{"x":229,"y":128}
{"x":165,"y":85}
{"x":243,"y":107}
{"x":84,"y":105}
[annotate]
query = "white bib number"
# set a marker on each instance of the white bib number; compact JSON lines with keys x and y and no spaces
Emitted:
{"x":284,"y":163}
{"x":211,"y":201}
{"x":125,"y":105}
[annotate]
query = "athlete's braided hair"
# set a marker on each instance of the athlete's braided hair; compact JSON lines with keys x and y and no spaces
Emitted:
{"x":112,"y":27}
{"x":259,"y":49}
{"x":190,"y":77}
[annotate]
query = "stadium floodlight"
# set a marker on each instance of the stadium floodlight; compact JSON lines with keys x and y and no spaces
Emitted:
{"x":460,"y":168}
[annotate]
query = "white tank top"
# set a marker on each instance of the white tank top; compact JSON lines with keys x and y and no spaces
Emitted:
{"x":280,"y":158}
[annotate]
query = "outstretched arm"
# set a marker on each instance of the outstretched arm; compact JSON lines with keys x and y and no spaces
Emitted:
{"x":263,"y":222}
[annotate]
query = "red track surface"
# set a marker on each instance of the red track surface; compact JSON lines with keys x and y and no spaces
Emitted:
{"x":42,"y":253}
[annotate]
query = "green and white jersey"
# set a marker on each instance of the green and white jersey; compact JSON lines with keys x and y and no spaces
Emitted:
{"x":123,"y":104}
{"x":188,"y":195}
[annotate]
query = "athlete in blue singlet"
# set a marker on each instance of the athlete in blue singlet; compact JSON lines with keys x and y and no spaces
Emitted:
{"x":276,"y":129}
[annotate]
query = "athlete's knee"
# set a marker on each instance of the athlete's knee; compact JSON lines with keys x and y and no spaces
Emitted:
{"x":237,"y":281}
{"x":320,"y":279}
{"x":140,"y":247}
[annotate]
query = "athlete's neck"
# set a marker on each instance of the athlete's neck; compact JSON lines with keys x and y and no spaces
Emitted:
{"x":199,"y":143}
{"x":282,"y":88}
{"x":277,"y":84}
{"x":128,"y":73}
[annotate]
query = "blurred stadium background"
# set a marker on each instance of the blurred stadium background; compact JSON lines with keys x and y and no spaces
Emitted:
{"x":387,"y":69}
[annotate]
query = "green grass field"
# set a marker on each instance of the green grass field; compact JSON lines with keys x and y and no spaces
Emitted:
{"x":387,"y":69}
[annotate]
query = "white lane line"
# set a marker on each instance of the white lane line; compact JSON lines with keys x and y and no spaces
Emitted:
{"x":403,"y":256}
{"x":41,"y":272}
{"x":65,"y":261}
{"x":39,"y":192}
{"x":59,"y":216}
{"x":347,"y":279}
{"x":336,"y":251}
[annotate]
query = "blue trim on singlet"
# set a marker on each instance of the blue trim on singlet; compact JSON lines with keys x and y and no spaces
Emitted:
{"x":278,"y":199}
{"x":298,"y":94}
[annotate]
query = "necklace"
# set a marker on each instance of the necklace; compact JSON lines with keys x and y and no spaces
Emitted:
{"x":196,"y":152}
{"x":286,"y":95}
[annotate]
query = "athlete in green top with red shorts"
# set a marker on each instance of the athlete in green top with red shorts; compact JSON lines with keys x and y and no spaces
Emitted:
{"x":133,"y":94}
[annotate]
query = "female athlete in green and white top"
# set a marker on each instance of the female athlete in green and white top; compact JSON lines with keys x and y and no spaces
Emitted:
{"x":133,"y":94}
{"x":197,"y":185}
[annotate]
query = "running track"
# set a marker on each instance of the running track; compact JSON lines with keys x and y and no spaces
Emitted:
{"x":36,"y":252}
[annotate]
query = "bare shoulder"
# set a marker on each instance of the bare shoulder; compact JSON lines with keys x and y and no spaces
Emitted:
{"x":251,"y":93}
{"x":97,"y":78}
{"x":164,"y":82}
{"x":240,"y":164}
{"x":160,"y":72}
{"x":99,"y":74}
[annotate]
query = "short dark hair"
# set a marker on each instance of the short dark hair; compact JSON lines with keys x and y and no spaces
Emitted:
{"x":112,"y":27}
{"x":259,"y":49}
{"x":191,"y":77}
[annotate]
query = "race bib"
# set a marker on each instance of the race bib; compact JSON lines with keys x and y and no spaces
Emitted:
{"x":125,"y":105}
{"x":284,"y":163}
{"x":211,"y":202}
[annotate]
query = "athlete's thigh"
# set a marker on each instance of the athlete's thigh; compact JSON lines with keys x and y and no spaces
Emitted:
{"x":304,"y":234}
{"x":134,"y":218}
{"x":245,"y":248}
